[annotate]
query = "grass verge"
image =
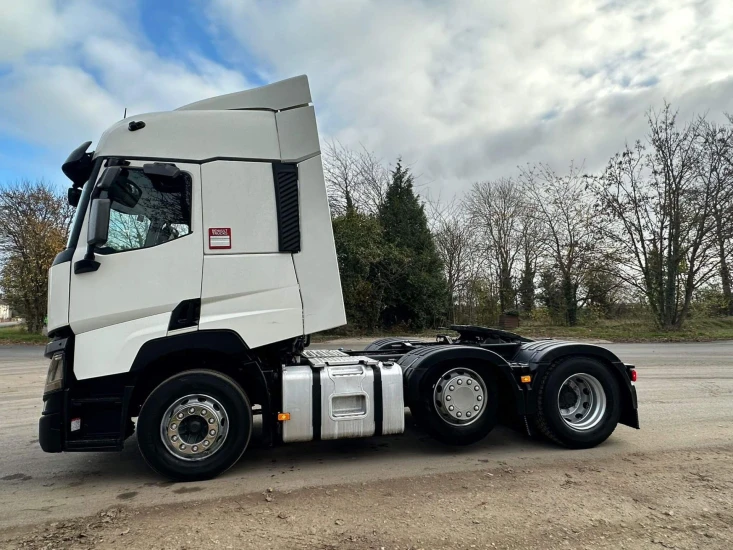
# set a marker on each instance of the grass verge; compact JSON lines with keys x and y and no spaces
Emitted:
{"x":19,"y":335}
{"x":641,"y":330}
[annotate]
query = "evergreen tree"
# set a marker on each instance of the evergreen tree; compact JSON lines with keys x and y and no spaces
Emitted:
{"x":415,"y":292}
{"x":360,"y":251}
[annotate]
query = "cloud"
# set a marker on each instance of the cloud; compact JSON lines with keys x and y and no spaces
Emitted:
{"x":68,"y":70}
{"x":468,"y":90}
{"x":462,"y":90}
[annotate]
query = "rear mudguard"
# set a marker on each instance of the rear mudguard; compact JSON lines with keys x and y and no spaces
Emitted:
{"x":416,"y":363}
{"x":540,"y":355}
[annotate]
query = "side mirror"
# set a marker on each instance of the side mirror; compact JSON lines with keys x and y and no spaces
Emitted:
{"x":78,"y":166}
{"x":98,"y":228}
{"x":73,"y":196}
{"x":97,"y":234}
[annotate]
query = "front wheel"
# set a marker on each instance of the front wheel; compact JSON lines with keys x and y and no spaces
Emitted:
{"x":458,"y":403}
{"x":195,"y":425}
{"x":579,"y":403}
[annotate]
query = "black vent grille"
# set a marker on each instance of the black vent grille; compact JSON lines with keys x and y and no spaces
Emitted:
{"x":288,"y":211}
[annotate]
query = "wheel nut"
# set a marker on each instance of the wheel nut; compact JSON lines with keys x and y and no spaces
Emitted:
{"x":480,"y":397}
{"x":196,"y":448}
{"x":191,"y":410}
{"x":448,"y":398}
{"x":211,"y":420}
{"x":459,"y":382}
{"x":173,"y":426}
{"x":180,"y":415}
{"x":475,"y":407}
{"x":458,"y":414}
{"x":206,"y":443}
{"x":174,"y":438}
{"x":182,"y":447}
{"x":468,"y":414}
{"x":451,"y":408}
{"x":212,"y":432}
{"x":451,"y":387}
{"x":203,"y":412}
{"x":469,"y":382}
{"x":477,"y":388}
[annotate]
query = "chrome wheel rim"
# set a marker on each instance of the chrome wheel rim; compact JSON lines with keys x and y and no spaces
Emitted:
{"x":194,"y":427}
{"x":582,"y":402}
{"x":459,"y":397}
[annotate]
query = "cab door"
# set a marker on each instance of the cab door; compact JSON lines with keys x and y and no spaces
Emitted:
{"x":152,"y":262}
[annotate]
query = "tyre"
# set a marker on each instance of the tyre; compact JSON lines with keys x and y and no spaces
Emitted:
{"x":195,"y":425}
{"x":579,"y":403}
{"x":458,"y":402}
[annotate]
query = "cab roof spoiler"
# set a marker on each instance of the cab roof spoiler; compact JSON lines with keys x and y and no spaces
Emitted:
{"x":278,"y":96}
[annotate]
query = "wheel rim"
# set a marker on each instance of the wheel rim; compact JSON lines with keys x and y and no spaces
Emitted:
{"x":582,"y":402}
{"x":459,"y":397}
{"x":194,"y":427}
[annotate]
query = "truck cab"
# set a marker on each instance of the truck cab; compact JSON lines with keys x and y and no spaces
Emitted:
{"x":200,"y":259}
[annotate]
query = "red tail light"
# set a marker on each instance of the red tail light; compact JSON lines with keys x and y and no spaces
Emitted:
{"x":632,"y":375}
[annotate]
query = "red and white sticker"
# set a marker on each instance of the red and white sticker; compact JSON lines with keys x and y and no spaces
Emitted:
{"x":220,"y":238}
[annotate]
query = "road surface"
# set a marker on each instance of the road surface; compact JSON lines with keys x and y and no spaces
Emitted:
{"x":686,"y":404}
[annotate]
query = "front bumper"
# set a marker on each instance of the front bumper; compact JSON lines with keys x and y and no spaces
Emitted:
{"x":83,"y":415}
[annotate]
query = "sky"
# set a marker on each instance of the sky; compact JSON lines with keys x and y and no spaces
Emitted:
{"x":462,"y":90}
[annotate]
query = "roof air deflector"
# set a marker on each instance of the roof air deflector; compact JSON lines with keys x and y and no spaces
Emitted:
{"x":278,"y":96}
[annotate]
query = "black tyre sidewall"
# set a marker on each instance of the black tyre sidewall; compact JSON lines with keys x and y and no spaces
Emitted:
{"x":214,"y":384}
{"x":428,"y":418}
{"x":551,"y":412}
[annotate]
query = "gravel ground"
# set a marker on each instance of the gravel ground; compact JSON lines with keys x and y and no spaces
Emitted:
{"x":646,"y":500}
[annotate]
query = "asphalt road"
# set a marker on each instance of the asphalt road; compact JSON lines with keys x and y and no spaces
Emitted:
{"x":686,"y":402}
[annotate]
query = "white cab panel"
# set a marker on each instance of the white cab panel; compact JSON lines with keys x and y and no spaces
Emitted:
{"x":256,"y":295}
{"x":316,"y":263}
{"x":195,"y":136}
{"x":240,"y":196}
{"x":112,"y":349}
{"x":58,"y":295}
{"x":298,"y":134}
{"x":276,"y":96}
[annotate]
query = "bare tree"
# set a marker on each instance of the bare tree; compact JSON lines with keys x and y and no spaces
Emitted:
{"x":356,"y":180}
{"x":34,"y":224}
{"x":716,"y":171}
{"x":456,"y":245}
{"x":531,"y":237}
{"x":496,"y":207}
{"x":562,"y":207}
{"x":656,"y":210}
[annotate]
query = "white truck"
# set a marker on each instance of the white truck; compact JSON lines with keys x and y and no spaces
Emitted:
{"x":207,"y":261}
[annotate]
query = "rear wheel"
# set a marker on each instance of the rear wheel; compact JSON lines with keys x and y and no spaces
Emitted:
{"x":458,"y":403}
{"x":579,"y":403}
{"x":195,"y":425}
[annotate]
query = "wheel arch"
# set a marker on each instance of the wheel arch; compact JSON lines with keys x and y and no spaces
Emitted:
{"x":218,"y":350}
{"x":417,"y":363}
{"x":543,"y":354}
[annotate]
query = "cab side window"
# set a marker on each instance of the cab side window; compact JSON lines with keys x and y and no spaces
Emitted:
{"x":146,"y":213}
